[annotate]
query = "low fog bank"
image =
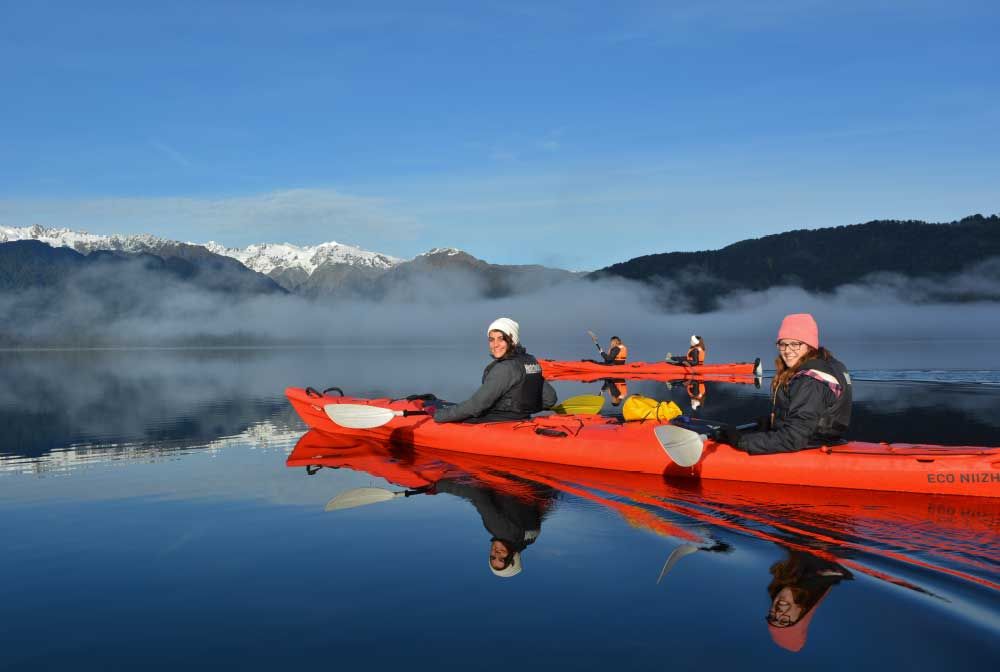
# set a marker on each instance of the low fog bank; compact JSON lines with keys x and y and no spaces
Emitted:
{"x":876,"y":317}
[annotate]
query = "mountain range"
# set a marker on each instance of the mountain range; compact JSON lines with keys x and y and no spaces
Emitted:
{"x":327,"y":270}
{"x":818,"y":260}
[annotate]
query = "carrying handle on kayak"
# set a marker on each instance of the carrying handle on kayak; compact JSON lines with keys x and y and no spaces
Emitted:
{"x":312,"y":392}
{"x":546,"y":431}
{"x":333,"y":388}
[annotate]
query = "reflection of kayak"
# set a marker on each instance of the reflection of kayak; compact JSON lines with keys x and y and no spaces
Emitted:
{"x":607,"y":443}
{"x":947,"y":535}
{"x":413,"y":469}
{"x":560,"y":369}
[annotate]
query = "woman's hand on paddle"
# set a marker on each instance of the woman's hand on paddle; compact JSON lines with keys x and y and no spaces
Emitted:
{"x":729,"y":434}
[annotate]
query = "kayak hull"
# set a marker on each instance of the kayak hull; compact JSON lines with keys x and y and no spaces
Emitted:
{"x":556,"y":369}
{"x":607,"y":443}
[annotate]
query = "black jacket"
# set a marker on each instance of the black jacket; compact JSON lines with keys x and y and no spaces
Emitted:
{"x":513,"y":388}
{"x":812,"y":411}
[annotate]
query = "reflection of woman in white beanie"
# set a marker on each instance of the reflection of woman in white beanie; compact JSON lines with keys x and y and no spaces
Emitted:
{"x":512,"y":387}
{"x":514,"y":521}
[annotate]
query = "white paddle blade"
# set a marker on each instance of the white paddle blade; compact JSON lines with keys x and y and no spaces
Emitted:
{"x":683,"y":446}
{"x":359,"y":416}
{"x":675,"y":555}
{"x":359,"y":497}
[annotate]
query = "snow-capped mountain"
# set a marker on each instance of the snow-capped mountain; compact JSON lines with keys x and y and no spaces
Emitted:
{"x":81,"y":241}
{"x":268,"y":257}
{"x":328,"y":270}
{"x":275,"y":260}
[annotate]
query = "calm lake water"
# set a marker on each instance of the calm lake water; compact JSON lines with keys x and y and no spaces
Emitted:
{"x":154,"y":516}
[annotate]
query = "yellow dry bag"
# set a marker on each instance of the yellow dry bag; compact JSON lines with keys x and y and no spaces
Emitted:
{"x":638,"y":407}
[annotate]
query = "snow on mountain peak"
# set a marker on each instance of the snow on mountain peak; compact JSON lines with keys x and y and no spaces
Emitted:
{"x":81,"y":241}
{"x":448,"y":251}
{"x":266,"y":257}
{"x":260,"y":257}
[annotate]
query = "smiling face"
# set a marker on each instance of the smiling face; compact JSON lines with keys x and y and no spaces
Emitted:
{"x":791,"y":351}
{"x":499,"y":554}
{"x":498,"y":344}
{"x":784,"y":611}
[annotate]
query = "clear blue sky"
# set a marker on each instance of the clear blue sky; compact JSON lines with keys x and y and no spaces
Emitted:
{"x":575,"y":134}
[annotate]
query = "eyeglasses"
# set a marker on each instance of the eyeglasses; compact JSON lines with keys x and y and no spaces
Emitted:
{"x":794,"y":346}
{"x":778,"y":615}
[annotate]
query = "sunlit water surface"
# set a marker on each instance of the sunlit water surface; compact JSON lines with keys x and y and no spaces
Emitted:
{"x":149,"y":521}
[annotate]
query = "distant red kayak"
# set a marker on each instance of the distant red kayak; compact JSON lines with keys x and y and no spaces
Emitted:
{"x":607,"y":443}
{"x":555,"y":369}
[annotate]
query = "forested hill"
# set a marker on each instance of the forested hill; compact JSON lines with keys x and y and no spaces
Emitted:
{"x":820,"y":259}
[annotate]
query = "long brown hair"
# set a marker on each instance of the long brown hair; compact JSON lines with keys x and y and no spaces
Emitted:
{"x":792,"y":574}
{"x":784,"y":373}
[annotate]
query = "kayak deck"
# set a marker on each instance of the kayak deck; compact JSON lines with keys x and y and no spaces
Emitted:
{"x":607,"y":443}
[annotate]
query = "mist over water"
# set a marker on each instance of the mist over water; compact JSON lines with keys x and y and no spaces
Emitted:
{"x":874,"y":320}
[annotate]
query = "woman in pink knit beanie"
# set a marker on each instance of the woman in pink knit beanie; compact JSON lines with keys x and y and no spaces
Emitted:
{"x":810,"y":395}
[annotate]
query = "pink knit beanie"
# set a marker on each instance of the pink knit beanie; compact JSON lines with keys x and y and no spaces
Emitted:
{"x":800,"y":327}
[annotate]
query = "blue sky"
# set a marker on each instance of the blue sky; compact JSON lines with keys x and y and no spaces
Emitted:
{"x":574,"y":134}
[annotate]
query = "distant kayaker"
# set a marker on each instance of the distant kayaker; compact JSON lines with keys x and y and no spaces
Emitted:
{"x":617,"y":352}
{"x":810,"y":393}
{"x":798,"y":586}
{"x":695,"y":354}
{"x":513,"y":387}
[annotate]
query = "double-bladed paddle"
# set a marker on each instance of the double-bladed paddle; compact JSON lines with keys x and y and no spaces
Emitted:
{"x":593,"y":337}
{"x":684,"y":446}
{"x":362,"y":496}
{"x":365,"y":416}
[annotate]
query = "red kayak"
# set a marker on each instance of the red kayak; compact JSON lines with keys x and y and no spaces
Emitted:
{"x":554,"y":369}
{"x":608,"y":443}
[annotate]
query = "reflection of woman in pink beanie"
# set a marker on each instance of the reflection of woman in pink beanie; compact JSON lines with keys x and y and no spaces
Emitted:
{"x":810,"y":393}
{"x":799,"y":585}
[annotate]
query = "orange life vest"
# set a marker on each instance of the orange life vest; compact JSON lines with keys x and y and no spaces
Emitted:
{"x":696,"y":354}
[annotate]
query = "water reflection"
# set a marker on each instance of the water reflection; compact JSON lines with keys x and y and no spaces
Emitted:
{"x":800,"y":583}
{"x":923,"y":544}
{"x":616,"y":389}
{"x":167,"y":520}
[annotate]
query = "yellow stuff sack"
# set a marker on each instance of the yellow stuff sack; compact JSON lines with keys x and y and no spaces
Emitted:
{"x":638,"y":407}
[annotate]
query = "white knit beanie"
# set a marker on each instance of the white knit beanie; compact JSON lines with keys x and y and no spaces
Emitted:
{"x":694,"y":339}
{"x":507,"y":326}
{"x":513,"y":569}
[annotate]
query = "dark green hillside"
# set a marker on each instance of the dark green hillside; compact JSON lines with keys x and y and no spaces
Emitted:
{"x":821,"y":259}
